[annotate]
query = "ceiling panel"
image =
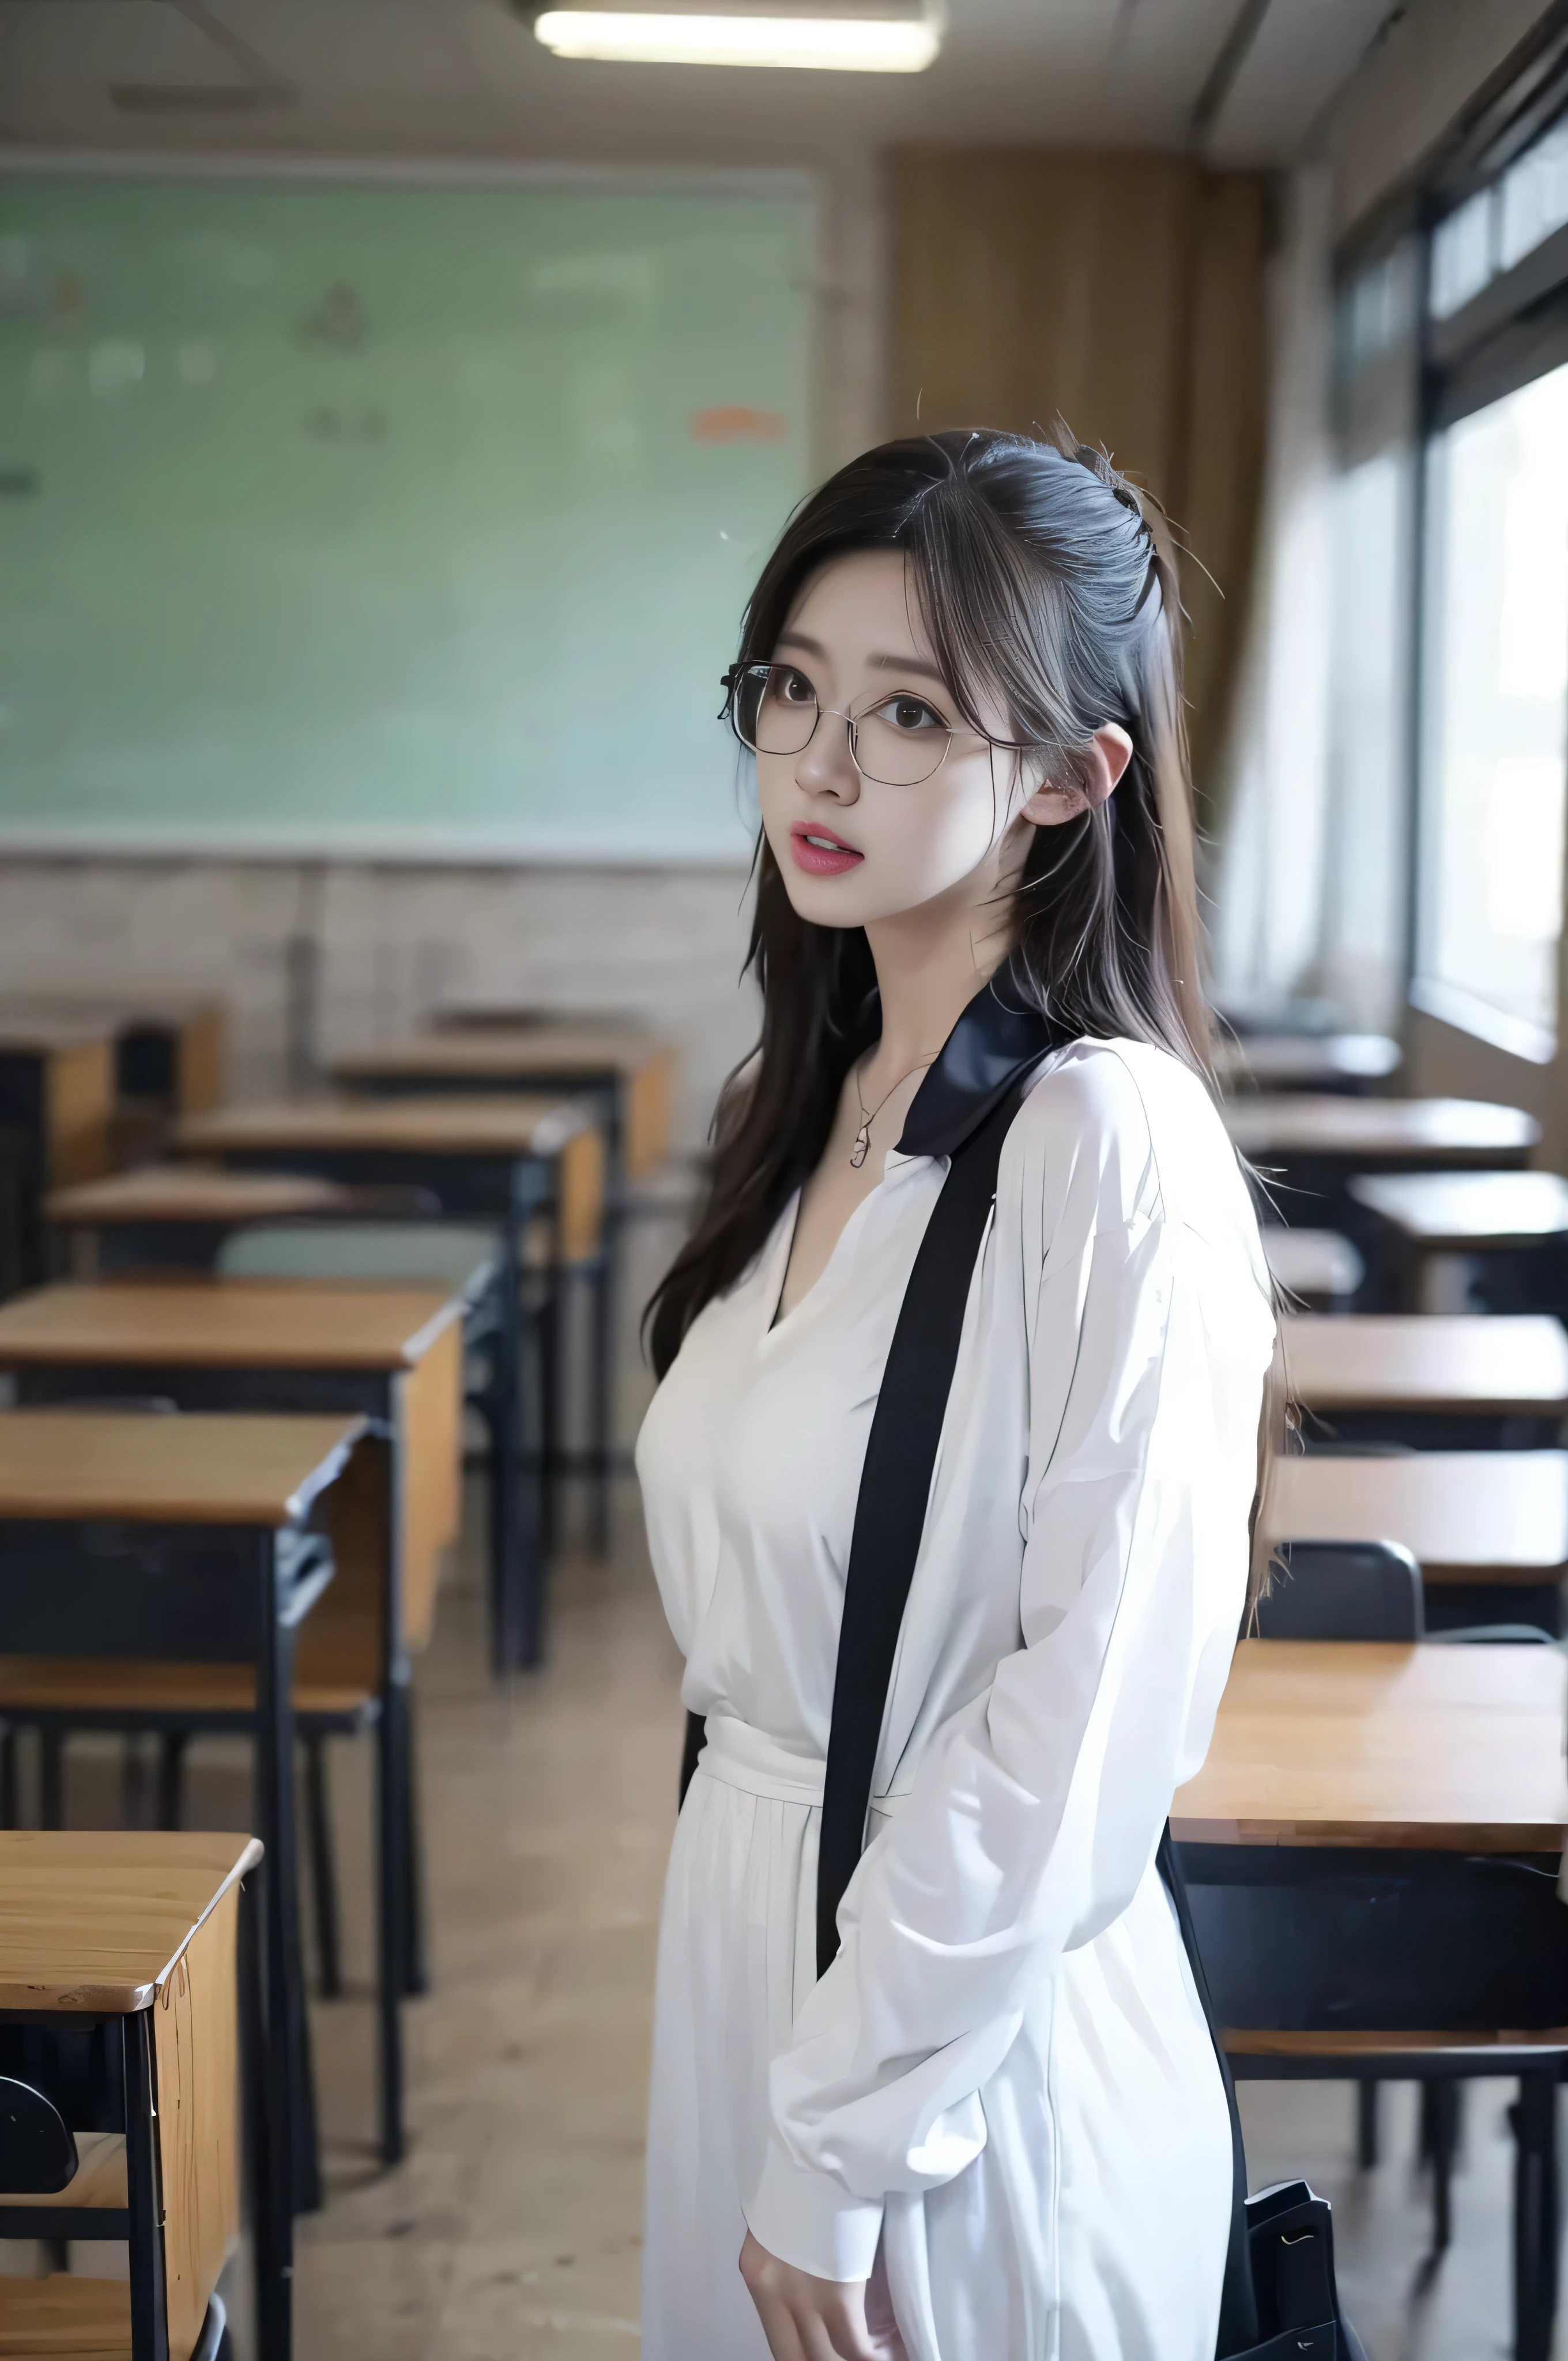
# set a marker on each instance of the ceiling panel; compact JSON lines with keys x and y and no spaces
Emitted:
{"x":1303,"y":52}
{"x":467,"y":78}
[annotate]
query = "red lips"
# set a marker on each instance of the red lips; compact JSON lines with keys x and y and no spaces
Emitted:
{"x":820,"y":852}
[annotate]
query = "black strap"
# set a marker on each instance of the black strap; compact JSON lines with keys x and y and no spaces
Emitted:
{"x":890,"y":1514}
{"x":890,"y":1518}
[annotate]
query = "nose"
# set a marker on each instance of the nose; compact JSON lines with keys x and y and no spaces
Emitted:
{"x":826,"y":766}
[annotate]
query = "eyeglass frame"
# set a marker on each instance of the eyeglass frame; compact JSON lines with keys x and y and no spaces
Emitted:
{"x":730,"y":682}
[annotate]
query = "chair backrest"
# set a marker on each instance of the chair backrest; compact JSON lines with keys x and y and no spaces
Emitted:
{"x":1343,"y":1590}
{"x":457,"y":1255}
{"x":38,"y":2152}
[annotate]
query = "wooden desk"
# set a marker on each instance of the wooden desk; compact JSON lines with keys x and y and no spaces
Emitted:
{"x":1371,"y":1852}
{"x":500,"y":1159}
{"x":1448,"y":1749}
{"x":176,"y":1217}
{"x":391,"y":1355}
{"x":1401,"y":1134}
{"x":169,"y":1043}
{"x":189,"y":1538}
{"x":136,"y":1938}
{"x":1468,"y":1213}
{"x":1510,"y":1229}
{"x":1341,"y":1062}
{"x":632,"y":1072}
{"x":1492,"y":1517}
{"x":1308,"y":1146}
{"x":1435,"y":1374}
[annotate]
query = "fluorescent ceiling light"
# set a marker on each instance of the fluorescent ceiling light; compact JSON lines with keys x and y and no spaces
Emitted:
{"x":834,"y":44}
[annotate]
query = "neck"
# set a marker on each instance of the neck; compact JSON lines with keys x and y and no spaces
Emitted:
{"x":930,"y":965}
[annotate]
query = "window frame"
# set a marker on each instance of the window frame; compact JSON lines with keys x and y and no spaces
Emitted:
{"x":1512,"y":331}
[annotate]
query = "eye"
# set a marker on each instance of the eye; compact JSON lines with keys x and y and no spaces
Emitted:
{"x":909,"y":714}
{"x":791,"y":687}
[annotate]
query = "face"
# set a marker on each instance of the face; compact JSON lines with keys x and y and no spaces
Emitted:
{"x":854,"y":850}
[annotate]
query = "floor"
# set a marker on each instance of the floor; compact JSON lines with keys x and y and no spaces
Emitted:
{"x":511,"y":2233}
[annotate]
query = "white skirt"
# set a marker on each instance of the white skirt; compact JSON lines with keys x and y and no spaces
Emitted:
{"x":1093,"y":2224}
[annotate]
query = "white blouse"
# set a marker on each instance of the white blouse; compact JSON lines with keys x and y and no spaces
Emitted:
{"x":1003,"y":2081}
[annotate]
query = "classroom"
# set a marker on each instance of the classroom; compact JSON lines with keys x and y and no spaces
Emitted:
{"x":784,"y":1180}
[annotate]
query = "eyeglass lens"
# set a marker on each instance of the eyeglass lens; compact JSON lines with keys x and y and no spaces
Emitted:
{"x":898,"y":743}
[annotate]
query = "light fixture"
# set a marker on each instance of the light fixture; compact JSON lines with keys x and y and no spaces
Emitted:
{"x":876,"y":38}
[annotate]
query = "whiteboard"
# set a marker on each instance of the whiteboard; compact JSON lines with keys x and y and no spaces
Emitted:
{"x":349,"y":519}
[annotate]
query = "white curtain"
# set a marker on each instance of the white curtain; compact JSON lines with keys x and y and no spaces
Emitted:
{"x":1269,"y":876}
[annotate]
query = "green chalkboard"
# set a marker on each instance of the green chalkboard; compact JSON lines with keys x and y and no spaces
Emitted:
{"x":352,"y":517}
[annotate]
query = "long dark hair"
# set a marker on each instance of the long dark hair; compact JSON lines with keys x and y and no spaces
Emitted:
{"x":1043,"y":577}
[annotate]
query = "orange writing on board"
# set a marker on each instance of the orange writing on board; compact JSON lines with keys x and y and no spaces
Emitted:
{"x":733,"y":423}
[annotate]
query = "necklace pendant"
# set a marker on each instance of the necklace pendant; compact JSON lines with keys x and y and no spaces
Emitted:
{"x":862,"y":1146}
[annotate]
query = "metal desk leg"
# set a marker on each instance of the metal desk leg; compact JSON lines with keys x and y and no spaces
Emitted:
{"x":293,"y":2107}
{"x":391,"y":1884}
{"x":523,"y":1633}
{"x":510,"y":1575}
{"x":150,"y":2302}
{"x":1536,"y":2222}
{"x":416,"y":1946}
{"x":602,"y":1438}
{"x":271,"y":2215}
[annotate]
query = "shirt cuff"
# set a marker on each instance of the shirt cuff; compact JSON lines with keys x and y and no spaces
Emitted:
{"x":810,"y":2220}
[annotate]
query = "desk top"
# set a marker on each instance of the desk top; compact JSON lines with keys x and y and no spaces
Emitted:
{"x":1457,"y":1212}
{"x":225,"y":1324}
{"x":1297,"y":1061}
{"x":437,"y":1125}
{"x":1454,"y":1131}
{"x":1515,"y":1366}
{"x":199,"y":1468}
{"x":100,"y":1921}
{"x":529,"y":1052}
{"x":192,"y":1193}
{"x":1451,"y":1749}
{"x":1465,"y":1516}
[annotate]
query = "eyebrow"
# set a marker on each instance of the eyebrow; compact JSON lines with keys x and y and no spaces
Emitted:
{"x":880,"y":664}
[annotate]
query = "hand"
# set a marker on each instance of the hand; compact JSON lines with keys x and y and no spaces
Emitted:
{"x":807,"y":2319}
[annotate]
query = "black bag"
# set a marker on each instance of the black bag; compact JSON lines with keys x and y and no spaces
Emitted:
{"x":1279,"y":2301}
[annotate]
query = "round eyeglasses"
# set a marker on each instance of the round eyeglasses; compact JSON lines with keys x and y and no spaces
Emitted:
{"x":772,"y":708}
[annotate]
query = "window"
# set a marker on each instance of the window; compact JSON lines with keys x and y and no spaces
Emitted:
{"x":1493,"y":230}
{"x":1494,"y":750}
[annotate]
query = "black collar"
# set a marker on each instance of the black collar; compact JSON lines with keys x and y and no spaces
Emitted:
{"x":994,"y":1041}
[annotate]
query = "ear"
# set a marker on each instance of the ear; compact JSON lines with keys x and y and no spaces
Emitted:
{"x":1091,"y":782}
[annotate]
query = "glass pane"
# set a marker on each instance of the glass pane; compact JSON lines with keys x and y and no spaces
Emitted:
{"x":1368,"y":740}
{"x":1497,"y":705}
{"x":1534,"y":193}
{"x":1462,"y":254}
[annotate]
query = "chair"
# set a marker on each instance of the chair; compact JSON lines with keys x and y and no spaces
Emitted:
{"x":1344,"y":1590}
{"x":1373,"y":1591}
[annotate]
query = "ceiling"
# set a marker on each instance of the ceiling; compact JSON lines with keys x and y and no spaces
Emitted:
{"x":1243,"y":81}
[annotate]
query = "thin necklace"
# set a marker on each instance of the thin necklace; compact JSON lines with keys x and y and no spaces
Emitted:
{"x":862,"y":1146}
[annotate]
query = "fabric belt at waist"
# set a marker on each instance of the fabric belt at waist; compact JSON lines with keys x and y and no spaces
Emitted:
{"x":739,"y":1756}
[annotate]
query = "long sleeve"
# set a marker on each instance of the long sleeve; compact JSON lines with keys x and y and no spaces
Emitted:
{"x":1035,"y":1811}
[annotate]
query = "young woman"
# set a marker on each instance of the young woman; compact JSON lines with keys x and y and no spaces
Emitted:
{"x":994,"y":2130}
